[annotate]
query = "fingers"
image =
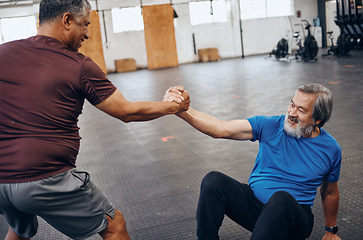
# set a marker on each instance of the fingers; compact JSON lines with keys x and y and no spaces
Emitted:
{"x":173,"y":97}
{"x":179,"y":95}
{"x":184,"y":105}
{"x":174,"y":94}
{"x":175,"y":89}
{"x":178,"y":88}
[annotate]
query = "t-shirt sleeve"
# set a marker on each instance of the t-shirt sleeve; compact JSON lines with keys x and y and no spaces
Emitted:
{"x":263,"y":127}
{"x":97,"y":87}
{"x":333,"y":175}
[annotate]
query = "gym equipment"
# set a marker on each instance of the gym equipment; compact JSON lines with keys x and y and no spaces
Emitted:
{"x":346,"y":39}
{"x":282,"y":49}
{"x":310,"y":49}
{"x":358,"y":19}
{"x":343,"y":45}
{"x":350,"y":24}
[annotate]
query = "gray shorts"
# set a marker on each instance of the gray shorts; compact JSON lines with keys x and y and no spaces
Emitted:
{"x":68,"y":201}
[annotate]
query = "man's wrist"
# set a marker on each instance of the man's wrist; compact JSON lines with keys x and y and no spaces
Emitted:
{"x":332,"y":230}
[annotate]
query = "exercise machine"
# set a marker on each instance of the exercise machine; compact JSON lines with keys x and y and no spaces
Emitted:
{"x":342,"y":48}
{"x":350,"y":23}
{"x":350,"y":35}
{"x":282,"y":49}
{"x":309,"y":50}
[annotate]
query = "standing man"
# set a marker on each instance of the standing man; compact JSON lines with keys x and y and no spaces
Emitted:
{"x":43,"y":84}
{"x":295,"y":157}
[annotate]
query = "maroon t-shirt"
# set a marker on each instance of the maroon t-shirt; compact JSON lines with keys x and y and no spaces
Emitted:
{"x":43,"y":85}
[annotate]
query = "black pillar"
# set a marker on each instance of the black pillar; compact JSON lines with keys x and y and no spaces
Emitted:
{"x":322,"y":17}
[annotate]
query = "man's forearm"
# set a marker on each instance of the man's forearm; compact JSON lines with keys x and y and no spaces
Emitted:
{"x":144,"y":111}
{"x":204,"y":123}
{"x":330,"y":205}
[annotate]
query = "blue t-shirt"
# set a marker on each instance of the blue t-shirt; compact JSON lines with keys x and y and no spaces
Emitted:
{"x":294,"y":165}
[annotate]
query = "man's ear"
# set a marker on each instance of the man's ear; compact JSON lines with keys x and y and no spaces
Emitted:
{"x":317,"y":122}
{"x":66,"y":20}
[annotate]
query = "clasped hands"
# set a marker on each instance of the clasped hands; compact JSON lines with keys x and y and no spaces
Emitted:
{"x":179,"y":95}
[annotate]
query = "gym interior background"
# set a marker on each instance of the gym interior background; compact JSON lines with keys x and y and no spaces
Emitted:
{"x":152,"y":171}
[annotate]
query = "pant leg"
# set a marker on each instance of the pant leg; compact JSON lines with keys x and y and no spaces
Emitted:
{"x":220,"y":195}
{"x":283,"y":218}
{"x":22,"y":223}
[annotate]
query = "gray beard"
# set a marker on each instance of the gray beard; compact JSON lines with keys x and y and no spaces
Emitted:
{"x":299,"y":131}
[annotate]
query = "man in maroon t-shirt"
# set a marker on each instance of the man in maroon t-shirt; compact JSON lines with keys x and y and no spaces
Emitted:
{"x":43,"y":84}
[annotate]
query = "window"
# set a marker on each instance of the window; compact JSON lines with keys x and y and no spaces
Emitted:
{"x":251,"y":9}
{"x":127,"y":19}
{"x":207,"y":12}
{"x":17,"y":28}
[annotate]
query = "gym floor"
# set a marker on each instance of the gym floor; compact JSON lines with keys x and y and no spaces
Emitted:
{"x":152,"y":171}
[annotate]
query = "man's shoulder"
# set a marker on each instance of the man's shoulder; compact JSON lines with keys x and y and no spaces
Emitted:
{"x":266,"y":127}
{"x":42,"y":42}
{"x":12,"y":44}
{"x":329,"y":138}
{"x":276,"y":119}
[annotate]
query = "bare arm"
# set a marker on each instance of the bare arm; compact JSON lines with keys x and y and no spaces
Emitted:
{"x":216,"y":128}
{"x":117,"y":106}
{"x":330,"y":202}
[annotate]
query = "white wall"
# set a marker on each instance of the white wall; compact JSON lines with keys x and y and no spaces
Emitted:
{"x":260,"y":36}
{"x":224,"y":36}
{"x":121,"y":45}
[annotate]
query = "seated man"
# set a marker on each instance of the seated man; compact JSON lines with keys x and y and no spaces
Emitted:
{"x":295,"y":157}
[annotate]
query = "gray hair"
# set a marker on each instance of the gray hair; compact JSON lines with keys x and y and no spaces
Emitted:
{"x":323,"y":106}
{"x":51,"y":9}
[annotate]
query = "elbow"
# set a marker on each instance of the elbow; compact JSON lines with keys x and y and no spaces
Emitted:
{"x":124,"y":118}
{"x":333,"y":194}
{"x":213,"y":135}
{"x":216,"y":136}
{"x":219,"y":134}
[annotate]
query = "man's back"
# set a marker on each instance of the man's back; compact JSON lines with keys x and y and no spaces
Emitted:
{"x":42,"y":91}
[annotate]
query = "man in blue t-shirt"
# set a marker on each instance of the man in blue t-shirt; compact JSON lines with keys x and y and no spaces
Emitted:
{"x":295,"y":157}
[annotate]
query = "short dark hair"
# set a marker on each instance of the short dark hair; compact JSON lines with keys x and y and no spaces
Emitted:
{"x":52,"y":9}
{"x":323,"y":106}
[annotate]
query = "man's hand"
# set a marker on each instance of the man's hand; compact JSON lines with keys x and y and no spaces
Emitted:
{"x":184,"y":105}
{"x":330,"y":236}
{"x":174,"y":94}
{"x":179,"y":95}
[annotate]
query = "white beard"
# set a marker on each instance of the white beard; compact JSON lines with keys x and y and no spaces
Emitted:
{"x":299,"y":131}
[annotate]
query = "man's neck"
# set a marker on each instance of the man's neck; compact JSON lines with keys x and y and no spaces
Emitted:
{"x":315,"y":133}
{"x":51,"y":30}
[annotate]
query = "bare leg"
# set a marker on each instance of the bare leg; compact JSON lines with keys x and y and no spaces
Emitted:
{"x":11,"y":235}
{"x":116,"y":228}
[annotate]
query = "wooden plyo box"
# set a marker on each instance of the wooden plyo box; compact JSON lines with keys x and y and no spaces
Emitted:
{"x":208,"y":54}
{"x":125,"y":65}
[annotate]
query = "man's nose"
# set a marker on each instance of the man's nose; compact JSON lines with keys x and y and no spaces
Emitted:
{"x":292,"y":111}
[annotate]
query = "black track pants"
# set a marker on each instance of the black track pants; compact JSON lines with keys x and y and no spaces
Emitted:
{"x":282,"y":217}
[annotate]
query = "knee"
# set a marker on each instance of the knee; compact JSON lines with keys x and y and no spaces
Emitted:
{"x":212,"y":180}
{"x":116,"y":228}
{"x":282,"y":199}
{"x":119,"y":222}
